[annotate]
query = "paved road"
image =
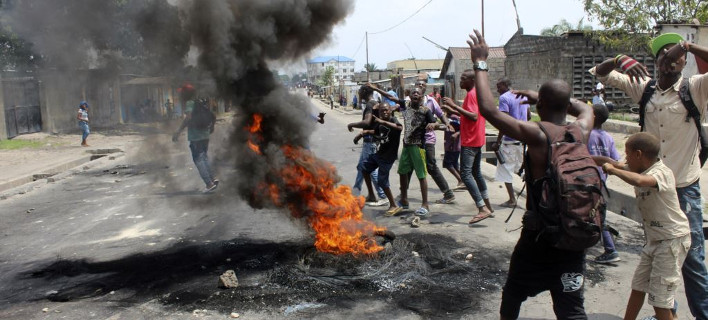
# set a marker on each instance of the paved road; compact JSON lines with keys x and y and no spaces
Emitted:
{"x":135,"y":239}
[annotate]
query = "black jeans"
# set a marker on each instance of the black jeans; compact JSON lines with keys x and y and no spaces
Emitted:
{"x":536,"y":267}
{"x":434,"y":171}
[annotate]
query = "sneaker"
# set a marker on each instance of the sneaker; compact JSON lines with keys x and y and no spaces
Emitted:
{"x":649,"y":318}
{"x":608,"y":257}
{"x":211,"y":188}
{"x":378,"y":203}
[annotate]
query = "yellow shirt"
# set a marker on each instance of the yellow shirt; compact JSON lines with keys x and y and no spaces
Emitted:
{"x":666,"y":118}
{"x":659,"y":205}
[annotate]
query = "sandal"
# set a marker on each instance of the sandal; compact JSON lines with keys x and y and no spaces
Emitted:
{"x":393,"y":211}
{"x":422,"y":212}
{"x":415,"y":223}
{"x":479,"y":218}
{"x":404,"y":207}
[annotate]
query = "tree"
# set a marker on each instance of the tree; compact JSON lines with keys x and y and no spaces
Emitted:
{"x":370,"y":67}
{"x":629,"y":22}
{"x":327,"y":77}
{"x":564,"y":26}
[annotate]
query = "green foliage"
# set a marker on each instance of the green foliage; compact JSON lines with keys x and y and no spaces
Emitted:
{"x":564,"y":26}
{"x":15,"y":53}
{"x":327,"y":77}
{"x":624,"y":20}
{"x":370,"y":67}
{"x":20,"y":144}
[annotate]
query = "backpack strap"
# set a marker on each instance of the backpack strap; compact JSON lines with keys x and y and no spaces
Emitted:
{"x":649,"y":90}
{"x":693,"y":113}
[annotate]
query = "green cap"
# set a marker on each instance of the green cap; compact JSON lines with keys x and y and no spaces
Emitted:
{"x":662,"y":40}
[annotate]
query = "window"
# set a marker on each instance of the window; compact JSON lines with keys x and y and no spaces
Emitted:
{"x":352,"y":70}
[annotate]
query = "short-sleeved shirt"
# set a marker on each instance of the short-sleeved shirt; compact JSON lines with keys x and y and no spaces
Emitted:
{"x":666,"y":119}
{"x":472,"y":132}
{"x":387,"y":100}
{"x":388,"y":140}
{"x":453,"y":144}
{"x":83,"y":115}
{"x":415,"y":121}
{"x":509,"y":103}
{"x":433,"y":105}
{"x":661,"y":214}
{"x":195,"y":134}
{"x":600,"y":143}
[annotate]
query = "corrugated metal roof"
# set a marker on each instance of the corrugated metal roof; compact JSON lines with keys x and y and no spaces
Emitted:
{"x":324,"y":59}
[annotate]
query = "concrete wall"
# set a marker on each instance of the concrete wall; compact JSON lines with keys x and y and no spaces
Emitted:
{"x":60,"y":95}
{"x":3,"y":126}
{"x":497,"y":71}
{"x":533,"y":60}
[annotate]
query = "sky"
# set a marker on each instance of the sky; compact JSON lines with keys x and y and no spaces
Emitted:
{"x":446,"y":22}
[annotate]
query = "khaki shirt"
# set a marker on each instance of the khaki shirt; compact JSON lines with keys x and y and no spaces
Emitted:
{"x":666,"y":118}
{"x":659,"y":205}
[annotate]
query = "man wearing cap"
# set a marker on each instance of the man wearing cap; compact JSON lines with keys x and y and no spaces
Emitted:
{"x":666,"y":117}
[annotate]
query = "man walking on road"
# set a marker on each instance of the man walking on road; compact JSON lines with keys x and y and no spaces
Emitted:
{"x":665,"y":116}
{"x":511,"y":150}
{"x":472,"y":133}
{"x":536,"y":265}
{"x":199,"y":122}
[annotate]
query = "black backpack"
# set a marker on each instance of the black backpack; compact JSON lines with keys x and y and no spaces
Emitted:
{"x":693,"y":113}
{"x":571,"y":205}
{"x":202,"y":117}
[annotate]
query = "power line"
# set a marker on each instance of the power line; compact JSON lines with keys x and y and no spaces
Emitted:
{"x":404,"y":20}
{"x":360,"y":43}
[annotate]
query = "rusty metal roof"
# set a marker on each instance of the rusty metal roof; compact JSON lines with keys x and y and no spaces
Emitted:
{"x":464,"y":52}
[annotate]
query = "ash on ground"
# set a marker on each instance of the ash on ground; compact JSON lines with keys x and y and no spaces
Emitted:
{"x":426,"y":274}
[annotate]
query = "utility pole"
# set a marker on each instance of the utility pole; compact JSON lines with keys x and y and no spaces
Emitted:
{"x":368,"y":78}
{"x":482,"y":18}
{"x":518,"y":22}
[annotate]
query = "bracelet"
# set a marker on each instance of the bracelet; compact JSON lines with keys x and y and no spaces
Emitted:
{"x":684,"y":46}
{"x":617,"y":58}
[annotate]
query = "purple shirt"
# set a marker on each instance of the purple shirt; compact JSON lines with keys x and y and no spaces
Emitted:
{"x":509,"y":103}
{"x":600,"y":143}
{"x":435,"y":107}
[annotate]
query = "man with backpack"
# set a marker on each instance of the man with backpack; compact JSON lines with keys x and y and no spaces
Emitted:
{"x":550,"y":252}
{"x":672,"y":108}
{"x":199,"y":121}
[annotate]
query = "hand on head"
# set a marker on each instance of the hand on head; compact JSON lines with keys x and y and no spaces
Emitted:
{"x":530,"y":95}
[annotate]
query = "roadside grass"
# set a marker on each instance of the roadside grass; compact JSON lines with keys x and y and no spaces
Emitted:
{"x":20,"y":144}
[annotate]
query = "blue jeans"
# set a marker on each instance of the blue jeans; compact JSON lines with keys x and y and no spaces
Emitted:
{"x":368,"y":149}
{"x":199,"y":156}
{"x":695,"y":276}
{"x":85,"y":131}
{"x":471,"y":174}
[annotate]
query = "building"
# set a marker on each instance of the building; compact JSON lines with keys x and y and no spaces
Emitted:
{"x":343,"y":68}
{"x":458,"y":59}
{"x":532,"y":60}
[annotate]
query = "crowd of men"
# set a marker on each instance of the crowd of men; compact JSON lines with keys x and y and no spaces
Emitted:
{"x":663,"y":163}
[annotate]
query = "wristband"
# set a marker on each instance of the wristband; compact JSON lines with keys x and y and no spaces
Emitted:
{"x":684,"y":46}
{"x":625,"y":62}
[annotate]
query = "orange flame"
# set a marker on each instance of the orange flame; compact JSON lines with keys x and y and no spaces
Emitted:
{"x":255,"y":130}
{"x":308,"y":188}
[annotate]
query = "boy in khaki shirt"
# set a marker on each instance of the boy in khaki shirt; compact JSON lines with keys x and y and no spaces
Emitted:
{"x":665,"y":225}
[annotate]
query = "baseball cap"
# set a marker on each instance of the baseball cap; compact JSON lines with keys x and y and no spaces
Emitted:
{"x":662,"y":40}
